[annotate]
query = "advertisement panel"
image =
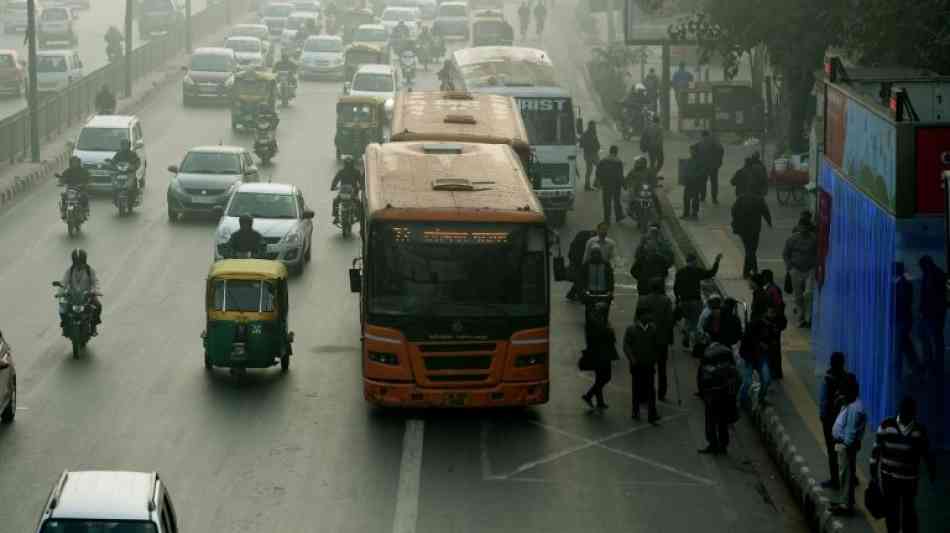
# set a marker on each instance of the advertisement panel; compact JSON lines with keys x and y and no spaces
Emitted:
{"x":837,"y":104}
{"x":870,"y":154}
{"x":933,"y":159}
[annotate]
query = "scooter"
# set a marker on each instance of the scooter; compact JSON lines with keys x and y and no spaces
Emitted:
{"x":72,"y":209}
{"x":265,"y":143}
{"x":347,"y":210}
{"x":287,"y":86}
{"x":78,"y":321}
{"x":641,"y":204}
{"x":123,"y":196}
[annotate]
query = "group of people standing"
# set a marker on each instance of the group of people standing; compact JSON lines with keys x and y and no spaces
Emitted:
{"x":525,"y":12}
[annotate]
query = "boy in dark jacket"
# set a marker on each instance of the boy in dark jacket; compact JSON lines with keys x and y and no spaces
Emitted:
{"x":602,"y":351}
{"x":640,"y":346}
{"x":661,"y":309}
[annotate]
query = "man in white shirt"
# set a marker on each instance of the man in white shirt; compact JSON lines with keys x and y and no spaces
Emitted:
{"x":603,"y":242}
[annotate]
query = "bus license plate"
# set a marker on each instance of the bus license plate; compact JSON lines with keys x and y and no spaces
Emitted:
{"x":456,"y":399}
{"x":237,"y":352}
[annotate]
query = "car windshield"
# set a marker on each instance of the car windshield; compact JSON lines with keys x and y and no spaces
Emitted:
{"x":369,"y":35}
{"x":549,"y":121}
{"x":281,"y":11}
{"x":211,"y":163}
{"x":54,"y":15}
{"x":244,"y":45}
{"x":263,"y":205}
{"x":323,"y":45}
{"x":457,"y":269}
{"x":97,"y":526}
{"x":102,"y":139}
{"x":249,"y":296}
{"x":6,"y":61}
{"x":452,"y":11}
{"x":399,"y":14}
{"x":51,"y":64}
{"x":376,"y":83}
{"x":211,"y":63}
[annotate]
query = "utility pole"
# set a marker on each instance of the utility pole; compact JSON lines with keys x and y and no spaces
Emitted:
{"x":128,"y":48}
{"x":188,"y":25}
{"x":31,"y":82}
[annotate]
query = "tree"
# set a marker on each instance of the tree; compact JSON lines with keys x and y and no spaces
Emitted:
{"x":892,"y":32}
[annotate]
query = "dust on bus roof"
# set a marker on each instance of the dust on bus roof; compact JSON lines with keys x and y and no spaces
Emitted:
{"x":456,"y":116}
{"x":489,"y":66}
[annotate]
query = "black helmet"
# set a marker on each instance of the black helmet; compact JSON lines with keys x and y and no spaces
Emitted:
{"x":246,"y":220}
{"x":79,"y":257}
{"x":75,"y":160}
{"x":348,"y":161}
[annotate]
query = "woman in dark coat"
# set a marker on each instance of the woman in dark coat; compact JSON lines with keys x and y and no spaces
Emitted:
{"x":601,"y":352}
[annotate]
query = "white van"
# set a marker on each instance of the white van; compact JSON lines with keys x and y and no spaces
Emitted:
{"x":57,"y":69}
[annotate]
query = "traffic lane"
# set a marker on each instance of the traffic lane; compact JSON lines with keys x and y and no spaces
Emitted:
{"x":91,"y":30}
{"x":263,"y":453}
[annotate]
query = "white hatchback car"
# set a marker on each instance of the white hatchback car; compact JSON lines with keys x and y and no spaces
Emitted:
{"x":248,"y":51}
{"x":104,"y":500}
{"x":280,"y":215}
{"x":375,"y":80}
{"x":322,"y":56}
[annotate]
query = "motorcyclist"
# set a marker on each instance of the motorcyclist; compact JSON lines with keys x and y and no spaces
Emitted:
{"x":246,"y":239}
{"x":308,"y":29}
{"x":350,"y":176}
{"x":286,"y":63}
{"x":445,"y":76}
{"x":266,"y":113}
{"x":399,"y":36}
{"x":75,"y":176}
{"x":639,"y":175}
{"x":105,"y":101}
{"x":127,"y":155}
{"x":636,"y":99}
{"x":81,"y":277}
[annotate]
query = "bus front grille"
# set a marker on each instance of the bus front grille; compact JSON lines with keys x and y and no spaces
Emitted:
{"x":458,"y":362}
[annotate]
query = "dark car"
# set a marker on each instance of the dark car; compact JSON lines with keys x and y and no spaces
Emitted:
{"x":210,"y":75}
{"x":159,"y":16}
{"x":207,"y":176}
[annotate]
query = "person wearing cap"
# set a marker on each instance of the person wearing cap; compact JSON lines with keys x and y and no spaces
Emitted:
{"x":752,"y":178}
{"x":687,"y":288}
{"x":640,"y":343}
{"x":801,"y":257}
{"x":602,"y":349}
{"x":246,"y":239}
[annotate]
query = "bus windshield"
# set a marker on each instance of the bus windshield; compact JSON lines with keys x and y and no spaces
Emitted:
{"x":549,"y":121}
{"x":457,"y":269}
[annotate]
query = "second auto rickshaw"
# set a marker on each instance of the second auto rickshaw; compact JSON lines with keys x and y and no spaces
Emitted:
{"x":247,"y":307}
{"x":359,"y":122}
{"x":360,"y":54}
{"x":251,"y":89}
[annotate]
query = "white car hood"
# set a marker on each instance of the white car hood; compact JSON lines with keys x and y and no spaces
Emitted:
{"x":321,"y":56}
{"x":93,"y":157}
{"x":275,"y":228}
{"x":386,"y":95}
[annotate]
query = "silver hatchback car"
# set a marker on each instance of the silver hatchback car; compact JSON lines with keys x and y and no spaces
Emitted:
{"x":207,"y":176}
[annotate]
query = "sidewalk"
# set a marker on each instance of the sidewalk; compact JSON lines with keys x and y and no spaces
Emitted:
{"x":789,"y":425}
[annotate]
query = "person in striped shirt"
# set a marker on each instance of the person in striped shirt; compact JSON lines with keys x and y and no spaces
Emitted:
{"x":900,"y":445}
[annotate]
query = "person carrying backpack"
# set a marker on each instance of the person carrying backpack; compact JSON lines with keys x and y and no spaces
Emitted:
{"x":718,"y":381}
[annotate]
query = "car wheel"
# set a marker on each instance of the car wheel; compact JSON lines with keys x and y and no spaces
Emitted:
{"x":9,"y":413}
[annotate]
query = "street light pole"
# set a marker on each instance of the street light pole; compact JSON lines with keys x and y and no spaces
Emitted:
{"x":188,"y":26}
{"x":31,"y":81}
{"x":128,"y":48}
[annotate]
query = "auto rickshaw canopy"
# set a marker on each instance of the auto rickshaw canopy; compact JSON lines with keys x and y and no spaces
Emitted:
{"x":358,"y":110}
{"x":252,"y":269}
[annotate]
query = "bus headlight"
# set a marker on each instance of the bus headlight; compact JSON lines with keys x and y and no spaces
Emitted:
{"x":523,"y":361}
{"x":384,"y":358}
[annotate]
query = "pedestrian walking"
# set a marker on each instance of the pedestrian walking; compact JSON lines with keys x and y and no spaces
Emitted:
{"x":830,"y":403}
{"x":651,"y":143}
{"x":540,"y":14}
{"x":681,"y":81}
{"x":661,"y":309}
{"x":933,"y":314}
{"x":753,"y":351}
{"x":652,"y":259}
{"x":524,"y":18}
{"x":687,"y":287}
{"x":801,"y":257}
{"x":747,"y":215}
{"x":848,"y":430}
{"x":575,"y":258}
{"x":904,"y":321}
{"x":609,"y":176}
{"x":601,"y":352}
{"x":900,"y":445}
{"x":692,"y":182}
{"x":718,"y":381}
{"x":652,"y":82}
{"x":707,"y":325}
{"x":711,"y":154}
{"x":752,"y":178}
{"x":640,"y":343}
{"x":597,"y":284}
{"x":590,"y":146}
{"x":602,"y":242}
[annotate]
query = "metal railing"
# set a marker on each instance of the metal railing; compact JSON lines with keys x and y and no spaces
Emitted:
{"x":76,"y":102}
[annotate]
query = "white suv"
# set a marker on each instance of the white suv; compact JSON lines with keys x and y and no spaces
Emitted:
{"x":101,"y":500}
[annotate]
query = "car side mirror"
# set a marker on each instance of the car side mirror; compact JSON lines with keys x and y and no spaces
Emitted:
{"x":173,"y":169}
{"x":308,"y":214}
{"x":356,"y":280}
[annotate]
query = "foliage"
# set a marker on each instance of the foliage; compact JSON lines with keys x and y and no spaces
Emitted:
{"x":893,"y":32}
{"x":608,"y":71}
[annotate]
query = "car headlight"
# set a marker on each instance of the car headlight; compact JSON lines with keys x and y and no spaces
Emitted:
{"x":175,"y":186}
{"x":293,"y":238}
{"x":187,"y":80}
{"x":77,"y":309}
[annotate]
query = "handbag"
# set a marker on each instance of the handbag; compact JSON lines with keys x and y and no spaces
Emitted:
{"x":874,"y":499}
{"x":586,"y":362}
{"x":789,"y":287}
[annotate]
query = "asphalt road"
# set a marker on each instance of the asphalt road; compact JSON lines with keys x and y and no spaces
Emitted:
{"x":91,"y":26}
{"x":302,"y":452}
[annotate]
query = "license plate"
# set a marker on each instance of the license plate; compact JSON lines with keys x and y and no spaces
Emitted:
{"x":209,"y":90}
{"x":237,"y":352}
{"x":456,"y":399}
{"x":203,"y":200}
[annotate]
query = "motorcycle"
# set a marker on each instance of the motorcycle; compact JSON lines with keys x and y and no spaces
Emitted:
{"x":122,"y":195}
{"x":265,"y":143}
{"x":286,"y":84}
{"x":407,"y":61}
{"x":72,"y":209}
{"x":78,"y":320}
{"x":347,"y":210}
{"x":641,"y":204}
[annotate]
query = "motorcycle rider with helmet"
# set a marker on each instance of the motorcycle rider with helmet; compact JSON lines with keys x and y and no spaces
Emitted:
{"x":81,"y":277}
{"x":77,"y":177}
{"x":350,"y":176}
{"x":246,"y":239}
{"x":400,"y":35}
{"x":637,"y":99}
{"x":287,"y":63}
{"x":127,"y":155}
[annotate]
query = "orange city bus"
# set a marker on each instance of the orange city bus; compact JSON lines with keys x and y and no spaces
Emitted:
{"x":454,"y":285}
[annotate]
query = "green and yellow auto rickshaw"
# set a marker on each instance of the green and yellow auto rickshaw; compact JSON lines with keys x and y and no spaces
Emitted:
{"x":247,"y":307}
{"x":351,"y":19}
{"x":359,"y":54}
{"x":251,"y":89}
{"x":359,"y":122}
{"x":489,"y":28}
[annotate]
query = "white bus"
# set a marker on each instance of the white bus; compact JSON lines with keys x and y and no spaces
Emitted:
{"x":528,"y":75}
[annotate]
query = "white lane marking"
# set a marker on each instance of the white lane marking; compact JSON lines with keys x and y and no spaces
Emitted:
{"x":410,"y":474}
